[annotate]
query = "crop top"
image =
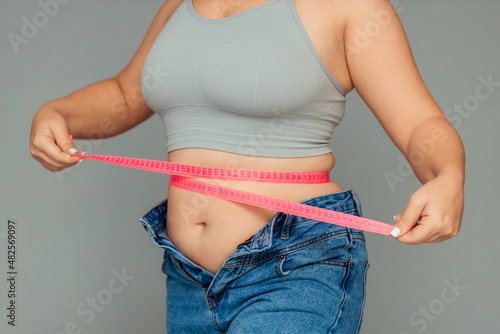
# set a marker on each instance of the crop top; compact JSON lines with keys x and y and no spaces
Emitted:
{"x":251,"y":83}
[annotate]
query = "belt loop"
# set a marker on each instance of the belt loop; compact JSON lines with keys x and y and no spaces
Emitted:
{"x":264,"y":238}
{"x":358,"y":202}
{"x":261,"y":239}
{"x":285,"y":228}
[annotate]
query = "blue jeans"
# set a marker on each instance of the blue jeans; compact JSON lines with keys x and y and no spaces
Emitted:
{"x":295,"y":275}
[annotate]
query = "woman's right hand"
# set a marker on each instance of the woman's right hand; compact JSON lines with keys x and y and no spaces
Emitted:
{"x":112,"y":100}
{"x":50,"y":143}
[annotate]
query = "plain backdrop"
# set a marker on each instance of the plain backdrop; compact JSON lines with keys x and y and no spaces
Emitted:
{"x":77,"y":230}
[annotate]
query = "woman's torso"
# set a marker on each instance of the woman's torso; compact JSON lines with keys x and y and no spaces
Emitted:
{"x":208,"y":229}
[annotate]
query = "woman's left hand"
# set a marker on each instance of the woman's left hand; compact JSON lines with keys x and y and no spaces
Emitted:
{"x":434,"y":212}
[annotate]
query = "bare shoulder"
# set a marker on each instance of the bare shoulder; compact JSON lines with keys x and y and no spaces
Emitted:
{"x":349,"y":13}
{"x":129,"y":78}
{"x":383,"y":70}
{"x":157,"y":24}
{"x":338,"y":28}
{"x":364,"y":11}
{"x":363,"y":21}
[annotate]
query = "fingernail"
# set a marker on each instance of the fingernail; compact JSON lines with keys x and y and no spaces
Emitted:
{"x":79,"y":162}
{"x":394,"y":218}
{"x":395,"y":232}
{"x":73,"y":150}
{"x":83,"y":153}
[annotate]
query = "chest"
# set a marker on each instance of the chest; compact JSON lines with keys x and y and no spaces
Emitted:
{"x":251,"y":63}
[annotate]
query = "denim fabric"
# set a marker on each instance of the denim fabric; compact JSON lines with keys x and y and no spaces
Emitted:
{"x":295,"y":275}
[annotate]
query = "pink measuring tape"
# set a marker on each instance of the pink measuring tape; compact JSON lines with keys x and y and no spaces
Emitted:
{"x":177,"y":179}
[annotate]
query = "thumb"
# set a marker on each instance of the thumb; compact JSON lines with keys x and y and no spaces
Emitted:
{"x":406,"y":221}
{"x":65,"y":142}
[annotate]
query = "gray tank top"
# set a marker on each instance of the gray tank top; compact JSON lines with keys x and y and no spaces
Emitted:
{"x":251,"y":83}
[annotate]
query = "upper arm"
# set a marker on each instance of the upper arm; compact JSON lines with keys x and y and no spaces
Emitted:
{"x":129,"y":79}
{"x":383,"y":70}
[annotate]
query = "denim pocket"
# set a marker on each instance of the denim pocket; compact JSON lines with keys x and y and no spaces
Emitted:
{"x":287,"y":264}
{"x":327,"y":252}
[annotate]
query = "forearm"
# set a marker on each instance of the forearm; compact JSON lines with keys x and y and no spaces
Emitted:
{"x":99,"y":110}
{"x":435,"y":148}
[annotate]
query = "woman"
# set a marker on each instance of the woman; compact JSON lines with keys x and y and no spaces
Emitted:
{"x":261,"y":85}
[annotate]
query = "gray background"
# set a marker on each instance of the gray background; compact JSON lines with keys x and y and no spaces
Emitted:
{"x":76,"y":227}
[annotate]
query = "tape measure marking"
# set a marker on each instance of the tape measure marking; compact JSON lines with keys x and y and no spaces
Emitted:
{"x":178,"y":171}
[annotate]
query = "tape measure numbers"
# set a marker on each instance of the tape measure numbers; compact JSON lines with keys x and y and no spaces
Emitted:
{"x":178,"y":171}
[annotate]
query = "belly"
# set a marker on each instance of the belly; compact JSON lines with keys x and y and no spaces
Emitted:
{"x":207,"y":229}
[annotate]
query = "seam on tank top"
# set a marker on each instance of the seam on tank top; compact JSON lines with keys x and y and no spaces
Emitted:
{"x":152,"y":104}
{"x":200,"y":118}
{"x":258,"y":68}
